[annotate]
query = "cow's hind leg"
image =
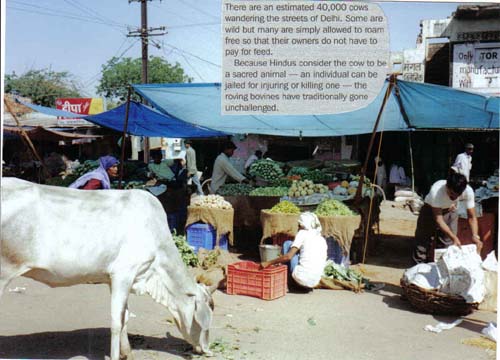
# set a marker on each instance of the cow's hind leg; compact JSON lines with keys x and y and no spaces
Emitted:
{"x":120,"y":287}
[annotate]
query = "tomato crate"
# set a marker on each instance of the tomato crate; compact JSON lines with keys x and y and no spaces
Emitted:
{"x":245,"y":278}
{"x":200,"y":235}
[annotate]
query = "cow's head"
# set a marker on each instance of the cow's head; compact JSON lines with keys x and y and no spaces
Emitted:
{"x":195,"y":318}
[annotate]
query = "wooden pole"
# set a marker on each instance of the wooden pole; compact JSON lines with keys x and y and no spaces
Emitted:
{"x":125,"y":125}
{"x":358,"y":196}
{"x":27,"y":139}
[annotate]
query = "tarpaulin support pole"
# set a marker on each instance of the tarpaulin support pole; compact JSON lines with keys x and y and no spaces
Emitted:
{"x":27,"y":139}
{"x":392,"y":81}
{"x":125,"y":125}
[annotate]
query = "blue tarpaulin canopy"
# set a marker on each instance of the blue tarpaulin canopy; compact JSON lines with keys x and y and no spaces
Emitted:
{"x":142,"y":121}
{"x":425,"y":106}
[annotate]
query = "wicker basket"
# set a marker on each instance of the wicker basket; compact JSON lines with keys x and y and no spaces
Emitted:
{"x":435,"y":302}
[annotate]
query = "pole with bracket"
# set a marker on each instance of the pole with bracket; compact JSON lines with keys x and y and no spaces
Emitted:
{"x":125,"y":126}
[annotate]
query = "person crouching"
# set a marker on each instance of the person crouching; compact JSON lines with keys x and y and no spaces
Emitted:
{"x":306,"y":255}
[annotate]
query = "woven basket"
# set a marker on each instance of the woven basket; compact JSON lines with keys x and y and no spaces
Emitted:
{"x":435,"y":302}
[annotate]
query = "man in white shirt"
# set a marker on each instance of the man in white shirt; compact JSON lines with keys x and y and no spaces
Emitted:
{"x":463,"y":162}
{"x":438,"y":219}
{"x":223,"y":168}
{"x":192,"y":170}
{"x":252,"y":159}
{"x":307,"y":253}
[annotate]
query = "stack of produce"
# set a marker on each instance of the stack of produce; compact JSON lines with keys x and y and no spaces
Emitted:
{"x":285,"y":207}
{"x":298,"y":171}
{"x":283,"y":182}
{"x":316,"y":176}
{"x":88,"y":165}
{"x":332,"y":207}
{"x":211,"y":201}
{"x":270,"y":191}
{"x":266,"y":169}
{"x":235,"y":189}
{"x":306,"y":187}
{"x":187,"y":253}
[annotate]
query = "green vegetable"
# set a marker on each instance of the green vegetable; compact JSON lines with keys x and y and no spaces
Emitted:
{"x":269,"y":191}
{"x":316,"y":176}
{"x":235,"y":189}
{"x":299,"y":170}
{"x":187,"y":253}
{"x":266,"y":169}
{"x":340,"y":272}
{"x":332,"y":207}
{"x":88,"y":165}
{"x":283,"y":182}
{"x":285,"y":207}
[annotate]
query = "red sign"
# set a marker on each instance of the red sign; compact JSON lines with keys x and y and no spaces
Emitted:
{"x":78,"y":106}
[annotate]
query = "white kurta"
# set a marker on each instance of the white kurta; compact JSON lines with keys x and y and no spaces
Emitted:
{"x":223,"y":168}
{"x":463,"y":164}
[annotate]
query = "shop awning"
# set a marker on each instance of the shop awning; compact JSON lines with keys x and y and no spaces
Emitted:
{"x":43,"y":134}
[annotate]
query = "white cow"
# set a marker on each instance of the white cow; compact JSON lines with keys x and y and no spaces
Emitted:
{"x":64,"y":237}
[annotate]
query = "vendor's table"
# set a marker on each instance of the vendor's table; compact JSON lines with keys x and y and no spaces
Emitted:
{"x":486,"y":225}
{"x":341,"y":228}
{"x":221,"y":220}
{"x":397,"y":220}
{"x":247,"y":209}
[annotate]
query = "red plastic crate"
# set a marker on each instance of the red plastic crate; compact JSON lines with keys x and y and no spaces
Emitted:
{"x":245,"y":278}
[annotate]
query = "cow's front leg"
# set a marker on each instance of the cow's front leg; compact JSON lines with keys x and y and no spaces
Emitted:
{"x":119,"y":296}
{"x":125,"y":349}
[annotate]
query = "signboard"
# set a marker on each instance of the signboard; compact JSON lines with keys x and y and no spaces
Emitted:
{"x":86,"y":106}
{"x":477,"y":67}
{"x":413,"y":67}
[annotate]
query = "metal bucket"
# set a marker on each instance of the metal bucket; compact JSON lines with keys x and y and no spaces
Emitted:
{"x":269,"y":252}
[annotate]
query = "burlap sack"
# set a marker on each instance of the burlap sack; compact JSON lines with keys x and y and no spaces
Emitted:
{"x":342,"y":228}
{"x":273,"y":224}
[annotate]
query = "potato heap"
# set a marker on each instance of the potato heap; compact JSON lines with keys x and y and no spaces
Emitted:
{"x":211,"y":201}
{"x":306,"y":187}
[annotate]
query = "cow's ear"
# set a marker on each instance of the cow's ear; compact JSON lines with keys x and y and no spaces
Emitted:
{"x":202,"y":313}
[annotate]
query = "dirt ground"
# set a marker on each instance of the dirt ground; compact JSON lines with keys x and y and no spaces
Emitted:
{"x":39,"y":322}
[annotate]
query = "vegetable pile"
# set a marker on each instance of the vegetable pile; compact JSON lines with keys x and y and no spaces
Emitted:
{"x":316,"y":176}
{"x":332,"y":207}
{"x":285,"y":207}
{"x":211,"y":201}
{"x":306,"y":187}
{"x":298,"y":171}
{"x":187,"y":253}
{"x":88,"y":165}
{"x":340,"y":272}
{"x":269,"y":191}
{"x":235,"y":189}
{"x":266,"y":169}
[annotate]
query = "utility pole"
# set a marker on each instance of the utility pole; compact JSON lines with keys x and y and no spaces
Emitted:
{"x":144,"y":33}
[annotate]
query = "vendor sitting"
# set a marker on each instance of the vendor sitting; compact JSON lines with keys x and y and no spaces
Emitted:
{"x":307,"y":253}
{"x":160,"y":169}
{"x":438,"y":219}
{"x":100,"y":177}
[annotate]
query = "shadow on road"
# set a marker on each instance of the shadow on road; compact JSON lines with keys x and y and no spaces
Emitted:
{"x":90,"y":343}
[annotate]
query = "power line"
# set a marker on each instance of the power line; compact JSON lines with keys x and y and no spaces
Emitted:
{"x":92,"y":12}
{"x":197,"y":9}
{"x":193,"y":55}
{"x":192,"y":25}
{"x":79,"y":18}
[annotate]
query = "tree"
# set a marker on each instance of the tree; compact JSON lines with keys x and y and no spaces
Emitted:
{"x":43,"y":86}
{"x":117,"y":74}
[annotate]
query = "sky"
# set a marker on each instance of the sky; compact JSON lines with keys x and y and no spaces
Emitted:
{"x":79,"y":36}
